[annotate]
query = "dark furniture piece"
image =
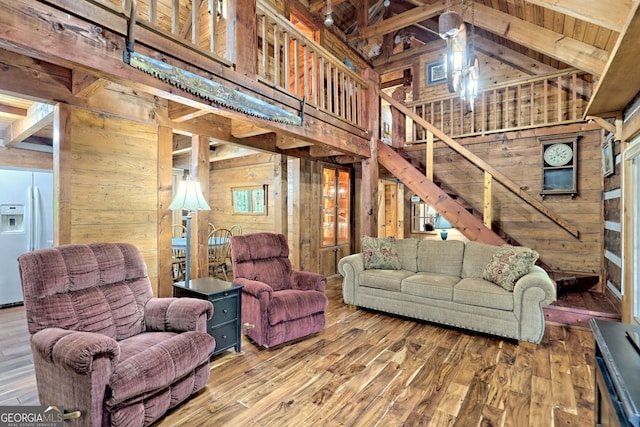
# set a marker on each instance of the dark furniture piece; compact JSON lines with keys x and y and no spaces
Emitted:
{"x":226,"y":298}
{"x":102,"y":344}
{"x":279,"y":304}
{"x":617,"y":375}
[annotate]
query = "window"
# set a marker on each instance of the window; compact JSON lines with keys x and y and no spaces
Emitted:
{"x":423,"y":217}
{"x":250,"y":200}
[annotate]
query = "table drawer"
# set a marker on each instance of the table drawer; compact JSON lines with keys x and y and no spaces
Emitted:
{"x":225,"y":336}
{"x":225,"y":309}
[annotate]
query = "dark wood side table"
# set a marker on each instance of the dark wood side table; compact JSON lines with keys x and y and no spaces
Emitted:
{"x":225,"y":324}
{"x":617,"y":375}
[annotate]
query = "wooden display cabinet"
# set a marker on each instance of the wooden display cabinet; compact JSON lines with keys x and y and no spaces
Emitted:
{"x":336,"y":218}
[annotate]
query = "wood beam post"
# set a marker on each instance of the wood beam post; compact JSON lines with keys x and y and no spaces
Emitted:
{"x":370,"y":170}
{"x":165,"y":193}
{"x":242,"y":36}
{"x":488,"y":205}
{"x":200,"y":221}
{"x":280,"y":199}
{"x":62,"y":159}
{"x":429,"y":156}
{"x":398,"y":120}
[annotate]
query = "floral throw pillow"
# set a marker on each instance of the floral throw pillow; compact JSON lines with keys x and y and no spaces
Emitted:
{"x":509,"y":264}
{"x":380,"y":254}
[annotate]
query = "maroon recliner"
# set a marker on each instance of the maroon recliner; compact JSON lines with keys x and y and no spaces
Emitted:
{"x":279,"y":304}
{"x":102,"y":344}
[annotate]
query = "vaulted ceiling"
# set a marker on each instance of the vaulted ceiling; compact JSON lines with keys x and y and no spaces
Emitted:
{"x":552,"y":33}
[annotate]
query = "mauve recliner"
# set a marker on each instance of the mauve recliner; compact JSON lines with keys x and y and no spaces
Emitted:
{"x":102,"y":344}
{"x":279,"y":304}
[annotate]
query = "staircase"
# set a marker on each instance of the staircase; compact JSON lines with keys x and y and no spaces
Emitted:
{"x":469,"y":225}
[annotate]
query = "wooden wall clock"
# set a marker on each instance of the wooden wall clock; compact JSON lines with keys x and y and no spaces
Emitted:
{"x":559,"y":166}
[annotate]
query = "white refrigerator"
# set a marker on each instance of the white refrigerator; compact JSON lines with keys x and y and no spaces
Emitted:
{"x":26,"y":224}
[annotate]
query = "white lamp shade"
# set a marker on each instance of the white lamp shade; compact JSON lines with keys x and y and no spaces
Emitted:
{"x":189,"y":196}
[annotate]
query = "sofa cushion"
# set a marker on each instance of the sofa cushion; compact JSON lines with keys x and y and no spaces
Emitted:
{"x":476,"y":257}
{"x":441,"y":256}
{"x":380,"y":253}
{"x":481,"y":293}
{"x":508,"y":264}
{"x":383,"y":279}
{"x":430,"y":285}
{"x":408,"y":253}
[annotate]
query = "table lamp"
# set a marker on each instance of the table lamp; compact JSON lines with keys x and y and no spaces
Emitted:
{"x":189,"y":197}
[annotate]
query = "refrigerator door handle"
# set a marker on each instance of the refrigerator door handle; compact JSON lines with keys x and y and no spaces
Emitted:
{"x":36,"y":218}
{"x":30,"y":221}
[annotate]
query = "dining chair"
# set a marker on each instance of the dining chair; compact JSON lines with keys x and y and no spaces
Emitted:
{"x":179,"y":230}
{"x":178,"y":259}
{"x":236,"y":230}
{"x":219,"y":250}
{"x":212,"y":228}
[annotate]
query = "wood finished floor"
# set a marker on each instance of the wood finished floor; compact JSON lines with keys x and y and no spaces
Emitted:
{"x":370,"y":369}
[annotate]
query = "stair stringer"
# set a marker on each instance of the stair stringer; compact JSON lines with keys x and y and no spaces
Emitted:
{"x":469,"y":225}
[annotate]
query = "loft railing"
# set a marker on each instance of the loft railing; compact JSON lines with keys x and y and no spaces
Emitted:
{"x":287,"y":59}
{"x":201,"y":24}
{"x":533,"y":102}
{"x":292,"y":62}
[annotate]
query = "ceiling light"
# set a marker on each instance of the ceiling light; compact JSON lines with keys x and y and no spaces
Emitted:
{"x":328,"y":20}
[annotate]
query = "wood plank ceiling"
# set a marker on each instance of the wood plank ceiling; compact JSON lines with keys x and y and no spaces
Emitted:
{"x":559,"y":34}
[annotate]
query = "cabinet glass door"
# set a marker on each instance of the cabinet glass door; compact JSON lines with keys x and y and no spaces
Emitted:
{"x":335,"y":207}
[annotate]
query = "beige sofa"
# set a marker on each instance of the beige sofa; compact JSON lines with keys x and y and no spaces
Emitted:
{"x":441,"y":281}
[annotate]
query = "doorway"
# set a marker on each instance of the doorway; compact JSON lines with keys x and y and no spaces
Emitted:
{"x":390,"y":208}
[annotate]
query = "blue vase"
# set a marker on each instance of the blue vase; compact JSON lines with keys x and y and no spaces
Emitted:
{"x":444,"y":234}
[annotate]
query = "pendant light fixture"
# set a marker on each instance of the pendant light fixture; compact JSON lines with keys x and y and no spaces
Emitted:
{"x":328,"y":18}
{"x":461,"y":61}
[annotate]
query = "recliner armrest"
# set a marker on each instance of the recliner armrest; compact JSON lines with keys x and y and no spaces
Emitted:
{"x":253,"y":287}
{"x":177,"y":314}
{"x":74,"y":351}
{"x":306,"y":280}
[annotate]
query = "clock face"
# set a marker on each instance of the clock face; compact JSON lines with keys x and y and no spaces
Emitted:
{"x":558,"y":154}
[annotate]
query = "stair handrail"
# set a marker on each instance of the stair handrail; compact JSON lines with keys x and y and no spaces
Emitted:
{"x":484,"y":166}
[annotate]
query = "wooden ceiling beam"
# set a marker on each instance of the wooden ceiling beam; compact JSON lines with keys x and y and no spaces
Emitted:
{"x":180,"y":113}
{"x":39,"y":115}
{"x":517,"y":60}
{"x":14,"y":111}
{"x":397,"y":22}
{"x":84,"y":85}
{"x":558,"y":46}
{"x":596,"y":12}
{"x":244,"y":129}
{"x":317,"y":6}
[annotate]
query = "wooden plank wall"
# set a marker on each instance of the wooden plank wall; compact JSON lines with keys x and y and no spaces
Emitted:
{"x":492,"y":71}
{"x":113,"y":183}
{"x":518,"y":155}
{"x":304,"y":187}
{"x":257,"y":169}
